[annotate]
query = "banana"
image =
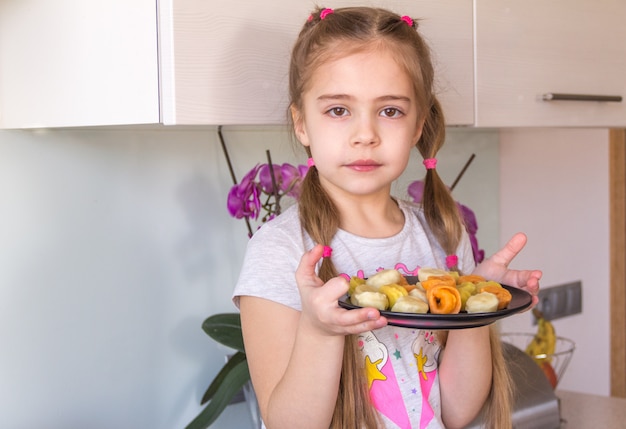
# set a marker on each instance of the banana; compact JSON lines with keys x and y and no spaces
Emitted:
{"x":543,"y":344}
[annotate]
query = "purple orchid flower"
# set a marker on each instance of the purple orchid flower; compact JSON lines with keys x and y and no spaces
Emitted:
{"x":265,"y":178}
{"x":243,"y":199}
{"x":291,"y":176}
{"x":288,"y":179}
{"x":295,"y":179}
{"x":416,"y":190}
{"x":469,"y":217}
{"x":471,"y":225}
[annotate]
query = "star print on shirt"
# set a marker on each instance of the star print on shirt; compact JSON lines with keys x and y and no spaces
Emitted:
{"x":421,"y":361}
{"x":397,"y":354}
{"x":373,"y":373}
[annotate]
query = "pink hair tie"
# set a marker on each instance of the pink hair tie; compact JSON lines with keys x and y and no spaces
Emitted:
{"x":327,"y":252}
{"x":430,"y":163}
{"x":310,"y":162}
{"x":408,"y":20}
{"x":451,"y":261}
{"x":325,"y":12}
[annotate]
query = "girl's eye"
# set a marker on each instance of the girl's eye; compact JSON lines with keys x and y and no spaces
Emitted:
{"x":391,"y":112}
{"x":338,"y":111}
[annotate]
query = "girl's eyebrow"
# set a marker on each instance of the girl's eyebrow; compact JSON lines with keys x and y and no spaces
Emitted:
{"x":390,"y":97}
{"x":330,"y":97}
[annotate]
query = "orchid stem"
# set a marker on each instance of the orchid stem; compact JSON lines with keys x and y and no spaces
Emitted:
{"x":232,"y":172}
{"x":230,"y":165}
{"x":467,"y":164}
{"x":273,"y":176}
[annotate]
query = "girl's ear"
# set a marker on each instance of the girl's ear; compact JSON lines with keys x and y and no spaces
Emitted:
{"x":419,"y":130}
{"x":298,"y":126}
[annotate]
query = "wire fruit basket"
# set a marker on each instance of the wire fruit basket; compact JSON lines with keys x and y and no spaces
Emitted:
{"x":553,"y":365}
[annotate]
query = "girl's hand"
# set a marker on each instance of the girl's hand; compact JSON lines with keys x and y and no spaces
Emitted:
{"x":496,"y":268}
{"x":320,"y":307}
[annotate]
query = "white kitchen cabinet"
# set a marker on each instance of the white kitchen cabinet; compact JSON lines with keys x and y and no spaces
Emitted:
{"x":78,"y":62}
{"x":528,"y":48}
{"x":229,"y":65}
{"x":192,"y":62}
{"x":195,"y":62}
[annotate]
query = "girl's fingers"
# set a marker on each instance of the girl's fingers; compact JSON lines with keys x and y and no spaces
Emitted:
{"x":510,"y":250}
{"x":496,"y":267}
{"x":361,"y":320}
{"x":320,"y":300}
{"x":305,"y":272}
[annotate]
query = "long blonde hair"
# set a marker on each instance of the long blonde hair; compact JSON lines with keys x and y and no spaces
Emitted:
{"x":350,"y":30}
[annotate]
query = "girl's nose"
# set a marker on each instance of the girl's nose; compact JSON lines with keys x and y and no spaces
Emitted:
{"x":365,"y":131}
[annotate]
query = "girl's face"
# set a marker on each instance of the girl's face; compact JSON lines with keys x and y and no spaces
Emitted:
{"x":360,"y":121}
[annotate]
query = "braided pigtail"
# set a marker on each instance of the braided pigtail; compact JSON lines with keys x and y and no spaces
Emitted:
{"x":440,"y":209}
{"x":443,"y":217}
{"x":498,"y":408}
{"x":320,"y":218}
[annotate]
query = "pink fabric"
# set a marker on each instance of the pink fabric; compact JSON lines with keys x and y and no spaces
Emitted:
{"x":325,"y":12}
{"x":430,"y":163}
{"x":427,"y":413}
{"x":387,"y":398}
{"x":328,"y":251}
{"x":451,"y":261}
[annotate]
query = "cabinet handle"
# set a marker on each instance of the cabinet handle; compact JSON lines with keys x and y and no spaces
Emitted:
{"x":551,"y":96}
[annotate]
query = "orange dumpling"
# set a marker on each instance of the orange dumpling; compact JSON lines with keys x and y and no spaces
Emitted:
{"x":472,"y":278}
{"x":432,"y":281}
{"x":444,"y":299}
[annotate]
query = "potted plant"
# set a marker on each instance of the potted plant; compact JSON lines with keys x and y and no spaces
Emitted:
{"x":224,"y":328}
{"x":258,"y":196}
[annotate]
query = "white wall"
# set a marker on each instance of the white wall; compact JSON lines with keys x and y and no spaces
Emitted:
{"x":555,"y":188}
{"x":115,"y":244}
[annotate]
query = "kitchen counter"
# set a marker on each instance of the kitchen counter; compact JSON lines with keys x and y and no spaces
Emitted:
{"x":585,"y":411}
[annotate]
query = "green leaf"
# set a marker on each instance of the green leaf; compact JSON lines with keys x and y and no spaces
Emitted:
{"x":225,"y":328}
{"x":223,"y":375}
{"x":232,"y":382}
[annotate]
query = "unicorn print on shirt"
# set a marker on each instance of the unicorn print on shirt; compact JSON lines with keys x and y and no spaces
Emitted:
{"x":381,"y":379}
{"x":385,"y":388}
{"x":426,"y":351}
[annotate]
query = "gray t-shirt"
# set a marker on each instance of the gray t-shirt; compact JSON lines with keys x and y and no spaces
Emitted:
{"x":401,"y":363}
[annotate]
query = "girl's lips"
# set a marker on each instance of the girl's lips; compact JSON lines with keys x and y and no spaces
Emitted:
{"x":363,"y":165}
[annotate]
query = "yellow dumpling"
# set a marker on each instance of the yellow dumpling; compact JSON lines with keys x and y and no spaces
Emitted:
{"x":371,"y":299}
{"x":410,"y":304}
{"x":393,"y":292}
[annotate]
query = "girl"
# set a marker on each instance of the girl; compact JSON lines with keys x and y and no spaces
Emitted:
{"x":361,"y":88}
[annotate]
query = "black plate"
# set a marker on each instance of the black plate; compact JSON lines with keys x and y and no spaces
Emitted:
{"x":520,"y":301}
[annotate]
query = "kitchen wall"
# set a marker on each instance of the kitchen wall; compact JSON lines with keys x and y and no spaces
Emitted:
{"x":555,"y":187}
{"x":115,"y":244}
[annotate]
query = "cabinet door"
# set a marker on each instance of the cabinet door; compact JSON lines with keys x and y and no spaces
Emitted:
{"x":229,"y":65}
{"x":78,"y":62}
{"x":528,"y":48}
